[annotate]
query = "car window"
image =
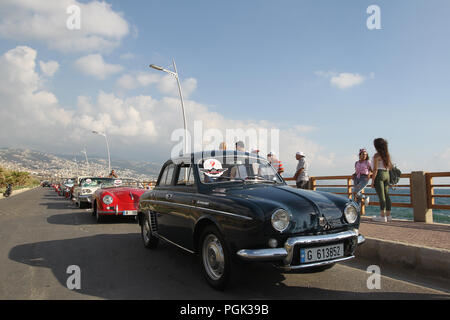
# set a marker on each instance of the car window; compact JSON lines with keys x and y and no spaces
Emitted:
{"x":166,"y":178}
{"x":185,"y":176}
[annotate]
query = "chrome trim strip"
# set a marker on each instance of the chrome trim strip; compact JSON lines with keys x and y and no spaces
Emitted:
{"x":116,"y":212}
{"x":165,"y":239}
{"x":262,"y":254}
{"x":315,"y":264}
{"x":199,"y":208}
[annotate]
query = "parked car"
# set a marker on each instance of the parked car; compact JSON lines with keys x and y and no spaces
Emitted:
{"x":227,"y":206}
{"x":119,"y":197}
{"x":82,"y":193}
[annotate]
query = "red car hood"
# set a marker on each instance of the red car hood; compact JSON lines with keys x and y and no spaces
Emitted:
{"x":125,"y":194}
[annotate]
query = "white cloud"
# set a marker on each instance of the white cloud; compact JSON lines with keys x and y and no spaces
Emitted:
{"x":343,"y":80}
{"x":94,"y":65}
{"x":347,"y":80}
{"x":102,"y":29}
{"x":49,"y":68}
{"x":136,"y":125}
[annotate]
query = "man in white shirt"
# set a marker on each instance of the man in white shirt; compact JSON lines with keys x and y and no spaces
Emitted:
{"x":301,"y":174}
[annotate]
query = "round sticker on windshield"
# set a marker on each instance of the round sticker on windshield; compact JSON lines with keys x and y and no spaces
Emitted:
{"x":117,"y":182}
{"x":213,"y":168}
{"x":88,"y":181}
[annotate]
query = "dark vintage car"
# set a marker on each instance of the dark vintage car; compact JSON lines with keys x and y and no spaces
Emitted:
{"x":227,"y":206}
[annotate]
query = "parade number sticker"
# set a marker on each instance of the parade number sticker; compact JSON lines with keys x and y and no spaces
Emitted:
{"x":213,"y":168}
{"x":88,"y":181}
{"x":117,"y":182}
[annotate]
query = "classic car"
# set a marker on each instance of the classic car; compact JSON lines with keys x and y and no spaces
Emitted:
{"x":230,"y":206}
{"x":119,"y":197}
{"x":82,"y":193}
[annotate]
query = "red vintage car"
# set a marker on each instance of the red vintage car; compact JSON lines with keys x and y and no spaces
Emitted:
{"x":119,"y":197}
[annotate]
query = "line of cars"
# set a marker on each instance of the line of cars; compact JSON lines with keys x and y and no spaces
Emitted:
{"x":106,"y":196}
{"x":228,"y":207}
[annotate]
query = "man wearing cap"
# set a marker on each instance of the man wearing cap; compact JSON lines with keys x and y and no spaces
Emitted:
{"x":301,"y":175}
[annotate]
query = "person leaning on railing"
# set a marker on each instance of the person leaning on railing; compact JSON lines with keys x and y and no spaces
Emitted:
{"x":380,"y":178}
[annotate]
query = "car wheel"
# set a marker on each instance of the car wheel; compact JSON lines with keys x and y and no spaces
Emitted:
{"x":215,"y":258}
{"x":98,"y":217}
{"x":150,"y":241}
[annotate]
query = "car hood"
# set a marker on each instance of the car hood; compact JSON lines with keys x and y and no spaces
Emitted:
{"x":305,"y":206}
{"x":125,"y":194}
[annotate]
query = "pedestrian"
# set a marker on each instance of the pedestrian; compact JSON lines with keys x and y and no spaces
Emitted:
{"x":301,"y":174}
{"x":223,"y":146}
{"x":363,"y":169}
{"x":276,"y":164}
{"x":112,"y":174}
{"x":240,"y":146}
{"x":380,"y":178}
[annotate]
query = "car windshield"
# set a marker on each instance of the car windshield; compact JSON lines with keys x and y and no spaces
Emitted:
{"x":94,"y":182}
{"x":114,"y":183}
{"x":235,"y":168}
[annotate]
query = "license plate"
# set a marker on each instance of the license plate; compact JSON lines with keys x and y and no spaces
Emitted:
{"x":321,"y":253}
{"x":130,"y":213}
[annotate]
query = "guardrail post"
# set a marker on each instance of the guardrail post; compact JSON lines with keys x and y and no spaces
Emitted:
{"x":419,"y":198}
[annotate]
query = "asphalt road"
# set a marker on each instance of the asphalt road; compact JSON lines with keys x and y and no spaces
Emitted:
{"x":41,"y":235}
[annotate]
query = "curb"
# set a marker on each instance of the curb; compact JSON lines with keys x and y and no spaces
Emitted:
{"x":425,"y":260}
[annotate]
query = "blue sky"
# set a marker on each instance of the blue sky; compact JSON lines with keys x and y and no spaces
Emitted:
{"x":273,"y":61}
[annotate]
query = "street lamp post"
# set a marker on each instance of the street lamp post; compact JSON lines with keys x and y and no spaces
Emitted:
{"x":107,"y":148}
{"x":85,"y":154}
{"x":175,"y":74}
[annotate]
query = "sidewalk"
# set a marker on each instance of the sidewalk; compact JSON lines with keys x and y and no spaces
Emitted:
{"x":413,"y":246}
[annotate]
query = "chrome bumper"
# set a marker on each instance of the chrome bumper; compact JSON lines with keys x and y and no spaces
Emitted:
{"x":85,"y":198}
{"x":286,"y":253}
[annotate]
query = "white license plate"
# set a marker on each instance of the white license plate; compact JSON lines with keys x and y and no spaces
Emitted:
{"x":130,"y":213}
{"x":321,"y":253}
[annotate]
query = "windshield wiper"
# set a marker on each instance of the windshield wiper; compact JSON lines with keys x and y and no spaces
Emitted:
{"x":261,"y":179}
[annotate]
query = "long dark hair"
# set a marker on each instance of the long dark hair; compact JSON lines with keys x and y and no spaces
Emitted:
{"x":381,"y":146}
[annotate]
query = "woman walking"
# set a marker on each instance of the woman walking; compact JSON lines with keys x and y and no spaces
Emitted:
{"x":380,"y":178}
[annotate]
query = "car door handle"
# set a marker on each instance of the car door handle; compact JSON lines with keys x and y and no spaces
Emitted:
{"x":169,"y":196}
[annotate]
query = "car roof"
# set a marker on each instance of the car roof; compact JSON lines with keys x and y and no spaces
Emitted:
{"x":193,"y":157}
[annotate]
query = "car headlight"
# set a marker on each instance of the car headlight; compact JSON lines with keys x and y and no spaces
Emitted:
{"x":107,"y":199}
{"x":280,"y":220}
{"x":351,"y":213}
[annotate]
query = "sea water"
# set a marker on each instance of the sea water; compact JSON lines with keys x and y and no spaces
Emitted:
{"x":439,"y":216}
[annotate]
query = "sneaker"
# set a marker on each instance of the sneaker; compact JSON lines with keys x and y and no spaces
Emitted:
{"x":366,"y":201}
{"x":389,"y":218}
{"x":379,"y":219}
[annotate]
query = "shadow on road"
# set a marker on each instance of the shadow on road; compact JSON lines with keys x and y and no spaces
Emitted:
{"x":117,"y":266}
{"x":83,"y":217}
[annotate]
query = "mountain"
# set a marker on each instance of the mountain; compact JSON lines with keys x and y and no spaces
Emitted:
{"x":54,"y":165}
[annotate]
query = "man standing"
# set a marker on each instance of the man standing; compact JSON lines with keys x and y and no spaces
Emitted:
{"x":301,"y":175}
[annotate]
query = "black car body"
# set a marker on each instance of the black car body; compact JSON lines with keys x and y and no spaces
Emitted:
{"x":232,"y":205}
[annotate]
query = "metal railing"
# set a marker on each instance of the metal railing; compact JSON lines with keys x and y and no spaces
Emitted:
{"x":313,"y":185}
{"x":431,"y":196}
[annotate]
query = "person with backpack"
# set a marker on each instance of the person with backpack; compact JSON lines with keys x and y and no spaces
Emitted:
{"x":363,"y":169}
{"x":381,"y":179}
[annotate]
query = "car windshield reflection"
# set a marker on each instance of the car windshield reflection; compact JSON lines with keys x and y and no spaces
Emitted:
{"x":232,"y":168}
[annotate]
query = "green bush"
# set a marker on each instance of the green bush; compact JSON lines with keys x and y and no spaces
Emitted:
{"x":18,"y":179}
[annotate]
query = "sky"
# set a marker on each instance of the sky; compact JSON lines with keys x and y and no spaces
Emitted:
{"x":313,"y":70}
